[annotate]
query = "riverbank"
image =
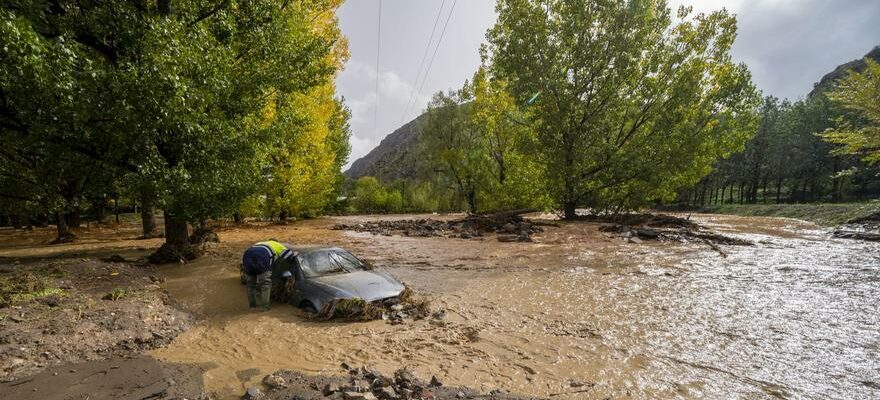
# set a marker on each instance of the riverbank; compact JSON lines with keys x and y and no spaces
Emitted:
{"x":825,"y":214}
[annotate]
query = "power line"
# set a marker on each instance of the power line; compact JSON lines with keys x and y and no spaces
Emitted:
{"x":412,"y":96}
{"x":378,"y":53}
{"x":439,"y":42}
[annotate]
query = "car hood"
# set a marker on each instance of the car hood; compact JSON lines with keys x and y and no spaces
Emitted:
{"x":368,"y":285}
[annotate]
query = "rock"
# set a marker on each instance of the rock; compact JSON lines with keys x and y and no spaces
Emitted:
{"x":508,"y":238}
{"x":115,"y":258}
{"x":465,"y":235}
{"x":369,"y":374}
{"x":635,"y":239}
{"x":358,"y":396}
{"x":362,"y":385}
{"x":388,"y":393}
{"x":460,"y":395}
{"x":330,"y":388}
{"x":435,"y":382}
{"x":345,"y":366}
{"x":403,"y":376}
{"x":253,"y":393}
{"x":274,"y":381}
{"x":648,"y":233}
{"x":509,"y":228}
{"x":405,"y":393}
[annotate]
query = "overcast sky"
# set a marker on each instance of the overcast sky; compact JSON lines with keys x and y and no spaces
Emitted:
{"x":787,"y":44}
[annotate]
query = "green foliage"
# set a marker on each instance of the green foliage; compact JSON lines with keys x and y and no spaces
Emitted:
{"x":626,"y":106}
{"x":19,"y":287}
{"x":369,"y":196}
{"x":115,"y":294}
{"x":788,"y":160}
{"x":202,"y":103}
{"x":858,"y":94}
{"x":476,"y":145}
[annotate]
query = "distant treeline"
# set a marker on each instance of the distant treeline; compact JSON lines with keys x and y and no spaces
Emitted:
{"x":789,"y":161}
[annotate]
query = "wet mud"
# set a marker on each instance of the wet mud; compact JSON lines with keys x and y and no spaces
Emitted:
{"x":577,"y":313}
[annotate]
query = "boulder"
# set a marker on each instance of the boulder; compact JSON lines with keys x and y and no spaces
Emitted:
{"x":253,"y":393}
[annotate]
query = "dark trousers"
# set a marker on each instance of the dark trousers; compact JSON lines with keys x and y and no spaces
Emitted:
{"x":259,"y":288}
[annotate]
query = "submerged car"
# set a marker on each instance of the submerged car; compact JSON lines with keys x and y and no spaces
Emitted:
{"x":322,"y":274}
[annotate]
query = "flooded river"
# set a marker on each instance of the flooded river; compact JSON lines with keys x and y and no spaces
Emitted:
{"x":576,"y":315}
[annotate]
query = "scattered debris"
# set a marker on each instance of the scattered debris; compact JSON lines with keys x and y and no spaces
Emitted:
{"x":845,"y":234}
{"x":509,"y":225}
{"x":393,"y":310}
{"x":196,"y":245}
{"x":636,"y":228}
{"x":865,"y":228}
{"x":366,"y":384}
{"x":66,"y":237}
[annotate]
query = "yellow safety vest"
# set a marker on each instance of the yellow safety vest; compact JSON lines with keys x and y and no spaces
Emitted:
{"x":277,"y":248}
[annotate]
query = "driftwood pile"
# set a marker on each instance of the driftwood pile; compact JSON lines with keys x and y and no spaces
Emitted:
{"x":639,"y":227}
{"x":865,"y":228}
{"x":509,"y":226}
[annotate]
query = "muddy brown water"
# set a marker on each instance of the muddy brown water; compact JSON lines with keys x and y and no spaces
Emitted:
{"x":575,"y":315}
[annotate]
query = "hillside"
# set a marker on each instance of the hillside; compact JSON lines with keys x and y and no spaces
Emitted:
{"x":394,"y":158}
{"x":841,"y":70}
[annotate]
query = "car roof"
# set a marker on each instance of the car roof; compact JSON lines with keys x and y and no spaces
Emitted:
{"x":313,"y":248}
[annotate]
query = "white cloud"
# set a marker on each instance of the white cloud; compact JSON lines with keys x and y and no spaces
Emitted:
{"x":357,"y":84}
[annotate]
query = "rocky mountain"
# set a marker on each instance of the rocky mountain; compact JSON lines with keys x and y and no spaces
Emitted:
{"x":840,"y":71}
{"x":396,"y":157}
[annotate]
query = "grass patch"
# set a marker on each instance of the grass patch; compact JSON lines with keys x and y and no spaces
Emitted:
{"x":827,"y":214}
{"x":115,"y":294}
{"x":31,"y":296}
{"x":27,"y":286}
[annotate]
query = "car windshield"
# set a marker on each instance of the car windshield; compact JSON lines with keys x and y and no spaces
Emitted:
{"x":326,"y":262}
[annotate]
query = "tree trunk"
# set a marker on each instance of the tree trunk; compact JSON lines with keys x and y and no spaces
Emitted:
{"x":148,"y":214}
{"x":177,"y":247}
{"x":742,"y":187}
{"x":778,"y":190}
{"x":569,"y":210}
{"x":237,"y":218}
{"x":15,"y":221}
{"x":764,"y":191}
{"x":100,"y":211}
{"x":472,"y":201}
{"x":64,"y":235}
{"x":835,"y":181}
{"x":116,"y":208}
{"x":723,"y":190}
{"x":176,"y":231}
{"x":282,"y":216}
{"x":61,"y":225}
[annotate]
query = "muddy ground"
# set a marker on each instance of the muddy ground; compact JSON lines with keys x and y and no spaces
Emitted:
{"x":577,"y":313}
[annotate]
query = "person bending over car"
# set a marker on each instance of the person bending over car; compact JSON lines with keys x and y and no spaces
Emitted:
{"x":259,"y":261}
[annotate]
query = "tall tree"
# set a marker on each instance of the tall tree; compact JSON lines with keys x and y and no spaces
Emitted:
{"x":859,"y":133}
{"x":169,"y":93}
{"x":627,"y":106}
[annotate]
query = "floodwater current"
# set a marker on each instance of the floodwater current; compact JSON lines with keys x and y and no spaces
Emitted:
{"x":578,"y":314}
